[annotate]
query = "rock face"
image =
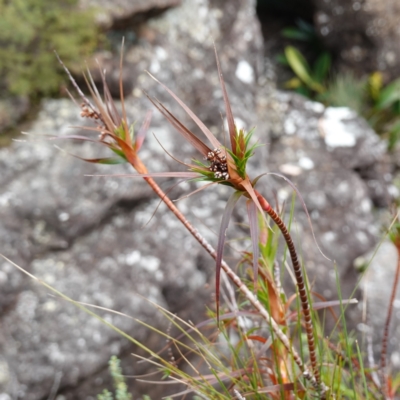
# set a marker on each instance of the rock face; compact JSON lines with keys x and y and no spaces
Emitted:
{"x":95,"y":240}
{"x":324,"y":152}
{"x":124,"y":13}
{"x":377,"y":286}
{"x":365,"y":34}
{"x":88,"y":236}
{"x":12,"y":109}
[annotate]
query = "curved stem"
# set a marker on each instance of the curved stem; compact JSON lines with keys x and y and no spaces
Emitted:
{"x":109,"y":116}
{"x":237,"y":281}
{"x":314,"y":378}
{"x":300,"y":284}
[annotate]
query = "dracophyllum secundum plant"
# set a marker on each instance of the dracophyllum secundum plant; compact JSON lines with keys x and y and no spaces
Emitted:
{"x":227,"y":166}
{"x":219,"y":165}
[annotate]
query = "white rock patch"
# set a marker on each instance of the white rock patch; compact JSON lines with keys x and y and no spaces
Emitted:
{"x":335,"y":129}
{"x":244,"y":72}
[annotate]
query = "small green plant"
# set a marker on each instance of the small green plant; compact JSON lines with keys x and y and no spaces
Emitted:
{"x":384,"y":113}
{"x":345,"y":90}
{"x":369,"y":97}
{"x":303,"y":32}
{"x":308,"y":80}
{"x":379,"y":104}
{"x":121,"y":388}
{"x":29,"y":32}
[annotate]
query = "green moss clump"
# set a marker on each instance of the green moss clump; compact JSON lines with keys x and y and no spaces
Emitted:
{"x":29,"y":32}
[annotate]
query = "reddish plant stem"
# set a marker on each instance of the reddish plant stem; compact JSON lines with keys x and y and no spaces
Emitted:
{"x":314,"y":379}
{"x":237,"y":281}
{"x":385,"y":336}
{"x":300,"y":283}
{"x":109,"y":118}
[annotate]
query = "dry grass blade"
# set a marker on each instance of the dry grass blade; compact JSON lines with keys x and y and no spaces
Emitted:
{"x":109,"y":102}
{"x":142,"y":131}
{"x":121,"y":93}
{"x":230,"y":205}
{"x":196,"y":191}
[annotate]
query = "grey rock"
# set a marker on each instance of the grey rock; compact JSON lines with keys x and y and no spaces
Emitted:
{"x":96,"y":239}
{"x":364,"y":34}
{"x":377,"y":285}
{"x":124,"y":13}
{"x":322,"y":151}
{"x":12,"y":109}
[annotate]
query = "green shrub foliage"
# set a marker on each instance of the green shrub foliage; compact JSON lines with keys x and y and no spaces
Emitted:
{"x":29,"y":32}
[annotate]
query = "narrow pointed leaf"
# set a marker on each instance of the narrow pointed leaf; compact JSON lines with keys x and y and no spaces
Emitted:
{"x":274,"y":388}
{"x":333,"y":303}
{"x":253,"y":223}
{"x":277,"y":309}
{"x":90,"y":82}
{"x":121,"y":93}
{"x":117,"y":151}
{"x":257,"y":338}
{"x":228,"y":110}
{"x":196,"y":191}
{"x":87,"y":128}
{"x":389,"y":95}
{"x":143,"y":131}
{"x":298,"y":63}
{"x":210,"y":136}
{"x":297,"y":34}
{"x":104,"y":116}
{"x":73,"y":137}
{"x":154,"y":175}
{"x":230,"y":205}
{"x":174,"y":158}
{"x":251,"y":192}
{"x":322,"y":67}
{"x":106,"y":160}
{"x":109,"y":102}
{"x":185,"y":132}
{"x":301,"y":68}
{"x":72,"y":97}
{"x":77,"y":88}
